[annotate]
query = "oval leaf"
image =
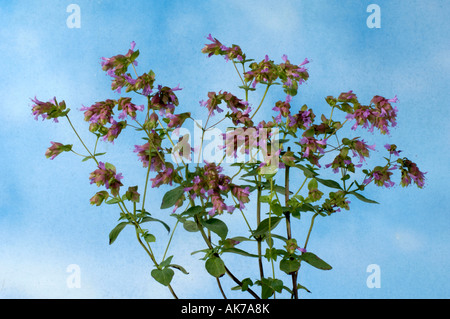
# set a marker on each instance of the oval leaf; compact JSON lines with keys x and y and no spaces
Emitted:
{"x":151,"y":219}
{"x":163,"y":276}
{"x":289,"y":266}
{"x":215,"y":267}
{"x":171,"y":197}
{"x":329,"y":183}
{"x":267,"y":225}
{"x":116,"y":231}
{"x":315,"y":261}
{"x":180,"y":268}
{"x":362,"y":198}
{"x":238,"y":251}
{"x":190,"y":226}
{"x":216,"y":226}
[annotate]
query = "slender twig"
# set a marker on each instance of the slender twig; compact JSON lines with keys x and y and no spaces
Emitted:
{"x":288,"y":226}
{"x":68,"y":119}
{"x":228,"y":272}
{"x":138,"y":231}
{"x":258,"y":221}
{"x":262,"y":100}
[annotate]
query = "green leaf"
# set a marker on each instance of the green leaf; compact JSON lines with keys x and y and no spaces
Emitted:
{"x":289,"y":265}
{"x":315,"y":261}
{"x":193,"y":211}
{"x":114,"y":200}
{"x":166,"y":262}
{"x":163,"y":276}
{"x":171,"y":197}
{"x":238,"y":251}
{"x":215,"y":266}
{"x":116,"y":231}
{"x":269,"y":286}
{"x":216,"y":226}
{"x":303,"y":287}
{"x":149,"y":238}
{"x":306,"y":171}
{"x":312,"y":184}
{"x":151,"y":219}
{"x":329,"y":183}
{"x":267,"y":225}
{"x":241,"y":238}
{"x":362,"y":198}
{"x":110,"y":166}
{"x":190,"y":226}
{"x":180,"y":268}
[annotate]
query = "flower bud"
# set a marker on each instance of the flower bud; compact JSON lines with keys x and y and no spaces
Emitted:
{"x":56,"y":149}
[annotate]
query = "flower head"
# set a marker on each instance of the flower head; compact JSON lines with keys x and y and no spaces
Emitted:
{"x":392,"y":148}
{"x":411,"y":173}
{"x":99,"y":113}
{"x":165,"y":100}
{"x":56,"y":149}
{"x":150,"y":153}
{"x":128,"y":108}
{"x":106,"y":175}
{"x":217,"y":48}
{"x":118,"y":64}
{"x":381,"y":176}
{"x":49,"y":110}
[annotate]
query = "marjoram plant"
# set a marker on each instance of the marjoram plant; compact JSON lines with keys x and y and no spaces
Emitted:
{"x":251,"y":161}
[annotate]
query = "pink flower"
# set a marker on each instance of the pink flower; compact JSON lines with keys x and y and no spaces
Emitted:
{"x":56,"y":149}
{"x":392,"y":148}
{"x":106,"y":175}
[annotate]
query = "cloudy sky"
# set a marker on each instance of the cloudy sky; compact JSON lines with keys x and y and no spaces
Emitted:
{"x":47,"y":224}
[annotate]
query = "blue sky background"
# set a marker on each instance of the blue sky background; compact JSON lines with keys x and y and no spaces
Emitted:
{"x":46,"y":222}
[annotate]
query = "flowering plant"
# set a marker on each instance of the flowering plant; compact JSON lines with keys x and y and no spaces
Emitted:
{"x":258,"y":163}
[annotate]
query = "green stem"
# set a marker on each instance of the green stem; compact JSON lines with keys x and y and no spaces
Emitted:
{"x":243,"y":83}
{"x":138,"y":231}
{"x":229,"y":273}
{"x":145,"y":187}
{"x":310,"y":229}
{"x":170,"y":240}
{"x":258,"y":221}
{"x":262,"y":100}
{"x":270,"y":229}
{"x":288,"y":226}
{"x":303,"y":184}
{"x":68,"y":119}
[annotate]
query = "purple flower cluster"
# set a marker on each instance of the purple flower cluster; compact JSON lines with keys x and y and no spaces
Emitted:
{"x":379,"y":114}
{"x":151,"y":152}
{"x":303,"y":119}
{"x":381,"y":176}
{"x":55,"y":149}
{"x":106,"y":175}
{"x":411,"y":173}
{"x":49,"y":110}
{"x":118,"y":64}
{"x":311,"y":147}
{"x":239,"y":108}
{"x":166,"y":176}
{"x":101,"y":113}
{"x":210,"y":184}
{"x":217,"y":48}
{"x":128,"y":109}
